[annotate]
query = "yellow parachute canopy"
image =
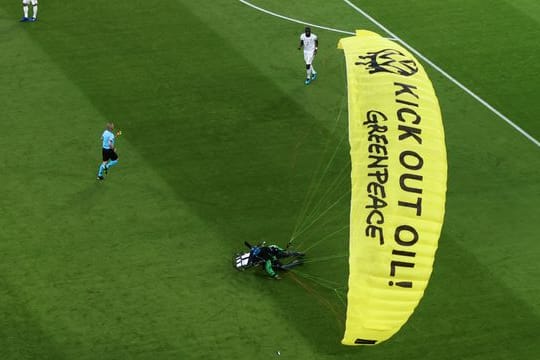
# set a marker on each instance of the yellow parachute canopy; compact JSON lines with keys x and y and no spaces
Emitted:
{"x":398,"y":177}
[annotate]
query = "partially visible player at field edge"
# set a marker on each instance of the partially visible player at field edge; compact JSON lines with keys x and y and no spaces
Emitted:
{"x":110,"y":158}
{"x":310,"y":43}
{"x":25,"y":10}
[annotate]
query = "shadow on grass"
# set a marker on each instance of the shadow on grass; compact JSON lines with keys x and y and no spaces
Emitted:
{"x":240,"y":153}
{"x":22,"y":335}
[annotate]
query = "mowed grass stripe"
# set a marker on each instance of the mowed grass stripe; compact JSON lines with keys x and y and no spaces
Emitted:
{"x":79,"y":257}
{"x":475,"y":153}
{"x":226,"y":116}
{"x":194,"y":328}
{"x":528,"y":7}
{"x":448,"y":76}
{"x":492,"y":172}
{"x":491,"y":167}
{"x":489,"y":51}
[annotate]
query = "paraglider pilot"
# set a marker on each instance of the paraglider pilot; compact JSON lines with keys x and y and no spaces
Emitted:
{"x":269,"y":256}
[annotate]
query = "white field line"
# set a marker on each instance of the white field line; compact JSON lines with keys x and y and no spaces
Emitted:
{"x":393,"y":36}
{"x":294,"y":20}
{"x":299,"y":21}
{"x":445,"y":74}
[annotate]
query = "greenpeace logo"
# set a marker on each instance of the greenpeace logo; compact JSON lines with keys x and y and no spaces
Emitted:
{"x":388,"y":61}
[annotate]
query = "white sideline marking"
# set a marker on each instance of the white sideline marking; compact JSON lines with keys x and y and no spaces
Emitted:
{"x":413,"y":50}
{"x":295,"y":20}
{"x":445,"y":74}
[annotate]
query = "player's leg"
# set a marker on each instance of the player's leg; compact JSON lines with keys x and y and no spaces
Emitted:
{"x":308,"y":58}
{"x":34,"y":10}
{"x":113,"y":161}
{"x":308,"y":72}
{"x":313,"y":72}
{"x":270,"y":270}
{"x":25,"y":10}
{"x":103,"y":166}
{"x":101,"y":170}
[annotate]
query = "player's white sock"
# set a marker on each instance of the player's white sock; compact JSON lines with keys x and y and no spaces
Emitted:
{"x":34,"y":11}
{"x":25,"y":10}
{"x":308,"y":71}
{"x":313,"y":70}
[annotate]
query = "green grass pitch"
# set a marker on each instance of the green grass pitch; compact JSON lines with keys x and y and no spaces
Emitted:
{"x":223,"y":143}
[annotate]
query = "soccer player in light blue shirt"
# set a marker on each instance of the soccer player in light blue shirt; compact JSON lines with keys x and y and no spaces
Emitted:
{"x":110,"y":157}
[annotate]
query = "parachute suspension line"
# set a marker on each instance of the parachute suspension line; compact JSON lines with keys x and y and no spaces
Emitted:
{"x":313,"y":192}
{"x":325,"y":171}
{"x":315,"y":182}
{"x":335,"y":288}
{"x":324,"y":283}
{"x":338,"y":314}
{"x":329,"y":236}
{"x":328,"y":284}
{"x":326,"y":237}
{"x":295,"y":236}
{"x":325,"y":197}
{"x":341,"y":297}
{"x":316,"y":215}
{"x":324,"y":258}
{"x":314,"y":185}
{"x":305,"y":205}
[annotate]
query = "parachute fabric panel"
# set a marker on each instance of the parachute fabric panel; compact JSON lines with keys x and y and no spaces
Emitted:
{"x":398,"y":180}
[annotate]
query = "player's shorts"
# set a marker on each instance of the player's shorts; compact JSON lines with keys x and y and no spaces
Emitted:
{"x":33,"y":2}
{"x":308,"y":57}
{"x":109,"y":154}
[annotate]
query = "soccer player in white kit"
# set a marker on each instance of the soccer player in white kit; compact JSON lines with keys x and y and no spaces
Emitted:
{"x":310,"y":43}
{"x":25,"y":10}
